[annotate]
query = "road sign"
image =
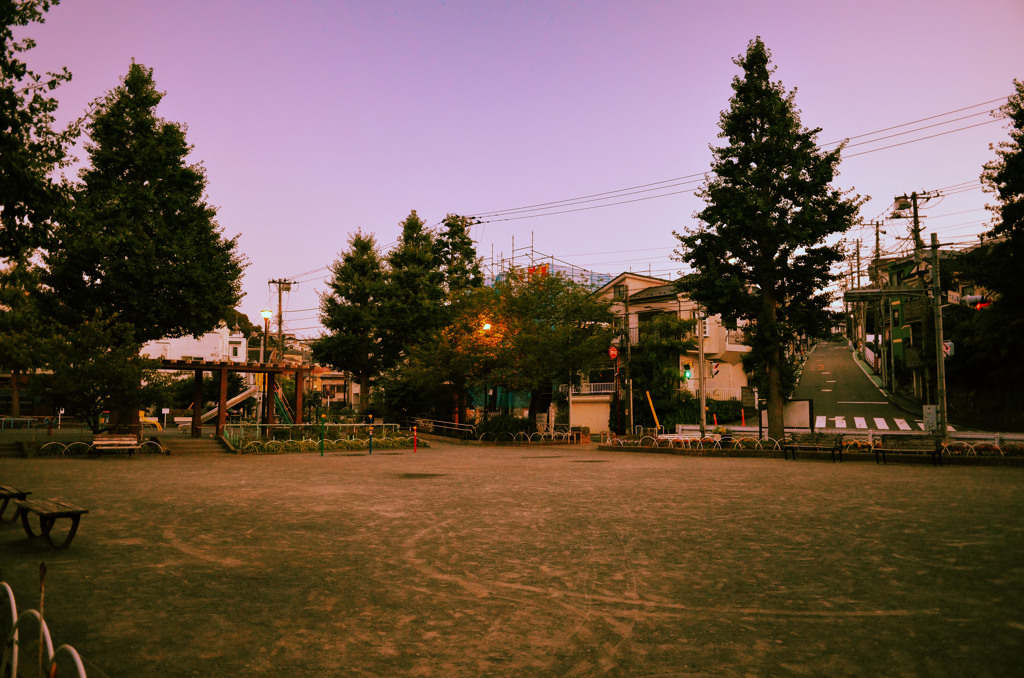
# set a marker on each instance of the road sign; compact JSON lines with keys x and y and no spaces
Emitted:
{"x":713,"y":368}
{"x":613,"y":352}
{"x":947,"y":349}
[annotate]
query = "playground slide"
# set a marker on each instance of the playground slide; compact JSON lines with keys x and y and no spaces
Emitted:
{"x":231,"y":403}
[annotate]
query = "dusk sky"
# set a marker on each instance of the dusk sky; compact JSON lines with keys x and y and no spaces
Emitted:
{"x":317,"y":119}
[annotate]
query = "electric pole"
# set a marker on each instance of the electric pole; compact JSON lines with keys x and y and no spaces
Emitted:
{"x":940,"y":355}
{"x":282,"y":286}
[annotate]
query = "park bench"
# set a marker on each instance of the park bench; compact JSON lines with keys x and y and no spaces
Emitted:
{"x":7,"y":493}
{"x":815,"y":442}
{"x":911,"y":444}
{"x":49,"y":510}
{"x":105,"y":442}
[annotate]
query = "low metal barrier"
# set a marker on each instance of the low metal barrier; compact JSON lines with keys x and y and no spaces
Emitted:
{"x":65,"y":658}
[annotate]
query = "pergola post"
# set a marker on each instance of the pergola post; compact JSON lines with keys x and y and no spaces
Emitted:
{"x":197,"y":405}
{"x":299,"y":378}
{"x":271,"y":391}
{"x":222,"y":400}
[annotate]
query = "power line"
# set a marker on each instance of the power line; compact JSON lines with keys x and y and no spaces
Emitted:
{"x":551,"y":208}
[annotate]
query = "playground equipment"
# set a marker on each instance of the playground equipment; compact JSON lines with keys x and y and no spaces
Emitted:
{"x":207,"y":416}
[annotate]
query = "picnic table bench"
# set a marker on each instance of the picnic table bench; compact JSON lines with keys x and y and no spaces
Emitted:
{"x":115,"y":442}
{"x":913,"y":444}
{"x":816,"y":442}
{"x":7,"y":493}
{"x":49,"y":510}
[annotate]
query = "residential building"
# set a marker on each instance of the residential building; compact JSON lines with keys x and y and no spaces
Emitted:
{"x":220,"y":345}
{"x":637,"y":299}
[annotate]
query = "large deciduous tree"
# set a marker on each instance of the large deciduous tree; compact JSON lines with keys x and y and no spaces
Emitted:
{"x":30,"y":148}
{"x":351,"y":314}
{"x":549,"y":330}
{"x":139,"y":253}
{"x":759,"y":251}
{"x":986,"y":369}
{"x":142,"y":243}
{"x":1004,"y":179}
{"x":22,"y":326}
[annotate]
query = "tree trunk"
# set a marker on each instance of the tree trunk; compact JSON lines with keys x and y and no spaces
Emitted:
{"x":460,"y":401}
{"x":776,"y":424}
{"x":15,"y":394}
{"x":540,"y":401}
{"x":364,"y":392}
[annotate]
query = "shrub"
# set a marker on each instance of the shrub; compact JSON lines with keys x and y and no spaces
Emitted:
{"x":504,"y":424}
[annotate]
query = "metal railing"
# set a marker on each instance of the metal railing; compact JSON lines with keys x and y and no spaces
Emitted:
{"x":594,"y":388}
{"x":450,"y":429}
{"x":241,"y":434}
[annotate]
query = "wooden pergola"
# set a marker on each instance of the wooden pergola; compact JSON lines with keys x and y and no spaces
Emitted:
{"x":222,"y":369}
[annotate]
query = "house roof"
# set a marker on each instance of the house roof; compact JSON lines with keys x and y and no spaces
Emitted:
{"x":655,"y":292}
{"x":610,"y":285}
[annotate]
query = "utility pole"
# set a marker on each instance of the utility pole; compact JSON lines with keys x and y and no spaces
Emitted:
{"x":940,"y":357}
{"x":880,"y":318}
{"x":282,"y":286}
{"x":700,"y":359}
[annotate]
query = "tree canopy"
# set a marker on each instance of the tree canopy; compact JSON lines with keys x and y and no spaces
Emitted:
{"x":30,"y":147}
{"x":986,"y":366}
{"x":759,"y":251}
{"x":140,"y":242}
{"x":350,"y":313}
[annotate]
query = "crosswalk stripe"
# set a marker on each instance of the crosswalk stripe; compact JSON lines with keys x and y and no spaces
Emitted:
{"x":877,"y":423}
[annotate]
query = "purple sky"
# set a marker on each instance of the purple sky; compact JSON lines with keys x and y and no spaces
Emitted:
{"x":315,"y":119}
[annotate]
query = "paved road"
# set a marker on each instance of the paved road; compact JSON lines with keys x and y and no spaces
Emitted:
{"x":846,"y":398}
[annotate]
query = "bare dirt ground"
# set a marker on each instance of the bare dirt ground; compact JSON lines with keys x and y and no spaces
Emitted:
{"x":544,"y":561}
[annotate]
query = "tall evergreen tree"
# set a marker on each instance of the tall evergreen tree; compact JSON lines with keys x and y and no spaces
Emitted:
{"x":142,"y":243}
{"x":456,"y":256}
{"x":759,"y":251}
{"x":413,"y":298}
{"x":351,"y":314}
{"x":30,"y":148}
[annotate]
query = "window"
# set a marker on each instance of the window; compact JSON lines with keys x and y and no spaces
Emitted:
{"x":234,"y":351}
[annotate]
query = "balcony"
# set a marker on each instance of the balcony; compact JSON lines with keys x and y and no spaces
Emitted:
{"x":590,"y":389}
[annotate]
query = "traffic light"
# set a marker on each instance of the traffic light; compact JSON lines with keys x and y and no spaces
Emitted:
{"x":687,"y":372}
{"x":975,"y":301}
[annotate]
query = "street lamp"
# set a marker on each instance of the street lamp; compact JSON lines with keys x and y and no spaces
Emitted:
{"x":266,"y":313}
{"x":264,"y":396}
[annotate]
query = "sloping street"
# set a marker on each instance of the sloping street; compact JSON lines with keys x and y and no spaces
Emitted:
{"x":845,"y":397}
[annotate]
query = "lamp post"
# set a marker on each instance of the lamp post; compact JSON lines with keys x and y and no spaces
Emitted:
{"x":266,"y":313}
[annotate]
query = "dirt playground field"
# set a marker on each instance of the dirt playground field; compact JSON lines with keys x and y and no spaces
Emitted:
{"x":540,"y":561}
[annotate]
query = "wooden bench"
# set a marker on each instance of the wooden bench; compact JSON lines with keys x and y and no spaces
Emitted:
{"x":912,"y":444}
{"x":49,"y":510}
{"x":816,"y":442}
{"x":7,"y":493}
{"x":115,"y":442}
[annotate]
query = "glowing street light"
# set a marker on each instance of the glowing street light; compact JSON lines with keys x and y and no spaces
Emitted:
{"x":266,"y":313}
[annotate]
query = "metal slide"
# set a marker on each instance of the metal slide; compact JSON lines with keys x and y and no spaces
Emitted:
{"x":231,"y":403}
